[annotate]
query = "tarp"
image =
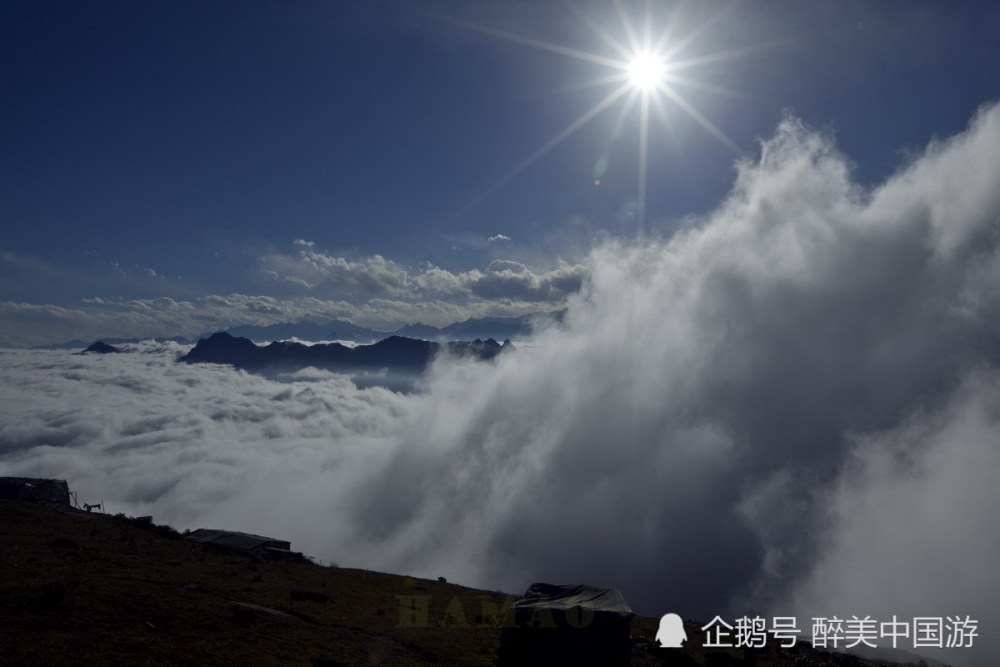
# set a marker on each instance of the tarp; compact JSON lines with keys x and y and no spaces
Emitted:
{"x":575,"y":624}
{"x":566,"y":598}
{"x":234,"y":540}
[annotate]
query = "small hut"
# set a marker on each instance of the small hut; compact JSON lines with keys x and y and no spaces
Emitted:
{"x":29,"y":488}
{"x":252,"y":545}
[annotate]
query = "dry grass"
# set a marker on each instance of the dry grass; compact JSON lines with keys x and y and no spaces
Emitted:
{"x":93,"y":589}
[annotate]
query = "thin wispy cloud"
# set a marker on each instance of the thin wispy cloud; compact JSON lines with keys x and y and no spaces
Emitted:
{"x":372,"y":291}
{"x":367,"y":278}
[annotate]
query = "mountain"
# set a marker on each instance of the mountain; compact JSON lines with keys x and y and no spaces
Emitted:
{"x":499,"y":328}
{"x":77,"y":343}
{"x":307,"y":330}
{"x":418,"y":330}
{"x":394,"y":352}
{"x":100,"y":347}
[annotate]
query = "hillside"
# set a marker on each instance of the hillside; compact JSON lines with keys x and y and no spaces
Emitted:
{"x":88,"y":588}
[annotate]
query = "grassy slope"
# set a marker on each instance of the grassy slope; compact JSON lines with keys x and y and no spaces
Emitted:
{"x":92,"y":589}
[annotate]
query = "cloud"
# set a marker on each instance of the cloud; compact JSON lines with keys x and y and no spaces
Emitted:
{"x":37,"y":324}
{"x":173,"y":440}
{"x":512,"y":280}
{"x":909,"y":523}
{"x":506,"y":266}
{"x":372,"y":291}
{"x":498,"y":237}
{"x":310,"y":268}
{"x":26,"y":324}
{"x":377,"y":277}
{"x":788,"y":408}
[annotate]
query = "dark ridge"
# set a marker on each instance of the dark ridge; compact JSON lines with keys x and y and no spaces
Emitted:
{"x":90,"y":588}
{"x":100,"y":347}
{"x":519,"y":326}
{"x":394,"y":353}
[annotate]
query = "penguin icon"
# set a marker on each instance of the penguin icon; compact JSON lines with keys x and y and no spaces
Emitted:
{"x":671,"y":633}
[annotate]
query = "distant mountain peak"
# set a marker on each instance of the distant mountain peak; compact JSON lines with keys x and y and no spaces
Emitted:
{"x":100,"y":347}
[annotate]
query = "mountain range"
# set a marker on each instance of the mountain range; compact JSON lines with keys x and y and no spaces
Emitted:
{"x":395,"y":353}
{"x":498,"y":328}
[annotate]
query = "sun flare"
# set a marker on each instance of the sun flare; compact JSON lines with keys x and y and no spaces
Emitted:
{"x":646,"y":71}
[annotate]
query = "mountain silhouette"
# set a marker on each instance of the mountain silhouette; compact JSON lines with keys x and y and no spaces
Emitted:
{"x":394,"y":353}
{"x":483,"y":328}
{"x":308,"y":330}
{"x":100,"y":347}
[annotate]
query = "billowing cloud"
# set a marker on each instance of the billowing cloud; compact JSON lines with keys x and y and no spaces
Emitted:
{"x":907,"y":527}
{"x":788,"y":408}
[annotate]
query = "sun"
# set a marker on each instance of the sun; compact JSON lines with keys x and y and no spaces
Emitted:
{"x":646,"y":71}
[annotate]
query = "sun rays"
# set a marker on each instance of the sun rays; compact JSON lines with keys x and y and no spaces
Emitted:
{"x":643,"y":69}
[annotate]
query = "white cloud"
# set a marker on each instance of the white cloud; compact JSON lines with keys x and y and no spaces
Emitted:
{"x":789,"y":406}
{"x":909,"y":526}
{"x":506,"y":266}
{"x":498,"y":237}
{"x":371,"y":291}
{"x":505,"y":279}
{"x":310,"y":268}
{"x":378,"y":277}
{"x":142,"y":431}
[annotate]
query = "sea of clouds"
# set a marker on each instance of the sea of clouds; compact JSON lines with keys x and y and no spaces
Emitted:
{"x":790,"y":407}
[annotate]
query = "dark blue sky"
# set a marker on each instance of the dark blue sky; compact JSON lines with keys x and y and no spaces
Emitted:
{"x":194,"y":140}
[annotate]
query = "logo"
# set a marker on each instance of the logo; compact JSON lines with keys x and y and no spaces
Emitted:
{"x":671,"y":633}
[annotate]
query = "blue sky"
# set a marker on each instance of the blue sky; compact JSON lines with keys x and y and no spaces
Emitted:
{"x":169,"y":168}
